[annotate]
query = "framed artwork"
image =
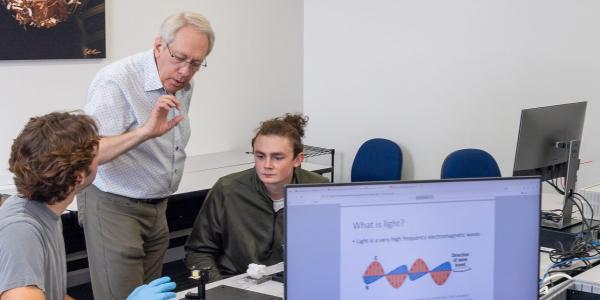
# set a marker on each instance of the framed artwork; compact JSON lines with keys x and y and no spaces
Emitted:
{"x":52,"y":29}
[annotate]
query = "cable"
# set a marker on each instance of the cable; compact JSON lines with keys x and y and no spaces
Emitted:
{"x":584,"y":248}
{"x":584,"y":245}
{"x":557,"y":275}
{"x":566,"y":263}
{"x":572,"y":197}
{"x":545,"y":287}
{"x":553,"y":184}
{"x":581,"y":197}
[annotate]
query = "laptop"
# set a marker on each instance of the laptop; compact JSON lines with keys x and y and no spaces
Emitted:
{"x":451,"y":239}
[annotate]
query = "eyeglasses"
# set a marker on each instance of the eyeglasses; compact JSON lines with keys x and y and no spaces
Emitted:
{"x":181,"y":60}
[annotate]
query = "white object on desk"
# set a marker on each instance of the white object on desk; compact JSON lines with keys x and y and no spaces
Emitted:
{"x":256,"y":271}
{"x":592,"y":194}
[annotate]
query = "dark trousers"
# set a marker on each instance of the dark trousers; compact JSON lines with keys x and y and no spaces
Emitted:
{"x":126,"y":241}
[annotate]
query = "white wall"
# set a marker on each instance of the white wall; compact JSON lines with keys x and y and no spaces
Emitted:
{"x":432,"y":75}
{"x":254,"y":71}
{"x":439,"y":75}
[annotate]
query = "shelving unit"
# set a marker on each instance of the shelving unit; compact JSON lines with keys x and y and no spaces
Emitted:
{"x":313,"y":151}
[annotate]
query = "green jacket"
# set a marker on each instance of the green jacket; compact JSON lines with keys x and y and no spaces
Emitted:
{"x":237,"y":225}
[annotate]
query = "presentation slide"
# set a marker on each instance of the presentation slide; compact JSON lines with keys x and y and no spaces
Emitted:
{"x":418,"y":251}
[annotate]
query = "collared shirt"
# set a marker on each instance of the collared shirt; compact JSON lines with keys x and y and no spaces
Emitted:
{"x":120,"y":98}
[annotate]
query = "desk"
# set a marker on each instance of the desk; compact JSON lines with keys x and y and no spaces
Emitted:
{"x":272,"y":288}
{"x":582,"y":286}
{"x":580,"y":282}
{"x":277,"y":289}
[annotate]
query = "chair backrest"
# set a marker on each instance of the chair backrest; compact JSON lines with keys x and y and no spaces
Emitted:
{"x":469,"y":163}
{"x":377,"y":160}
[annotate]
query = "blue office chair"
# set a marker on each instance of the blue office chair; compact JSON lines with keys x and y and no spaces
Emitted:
{"x":377,"y":160}
{"x":469,"y":163}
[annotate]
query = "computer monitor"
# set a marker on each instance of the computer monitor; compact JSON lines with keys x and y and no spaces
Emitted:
{"x":548,"y":145}
{"x":413,"y":240}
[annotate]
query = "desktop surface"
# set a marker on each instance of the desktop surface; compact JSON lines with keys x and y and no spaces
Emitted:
{"x":225,"y":292}
{"x":463,"y":239}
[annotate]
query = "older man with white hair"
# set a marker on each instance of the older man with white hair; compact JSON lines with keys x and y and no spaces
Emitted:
{"x":141,"y":154}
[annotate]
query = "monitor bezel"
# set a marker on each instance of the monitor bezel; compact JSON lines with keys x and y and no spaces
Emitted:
{"x":405,"y":182}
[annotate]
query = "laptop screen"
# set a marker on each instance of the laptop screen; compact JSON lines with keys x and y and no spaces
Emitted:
{"x":459,"y":239}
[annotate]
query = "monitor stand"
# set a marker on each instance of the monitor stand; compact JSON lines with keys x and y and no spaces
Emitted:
{"x":567,"y":219}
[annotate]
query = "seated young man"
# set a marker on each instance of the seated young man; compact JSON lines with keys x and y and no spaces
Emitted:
{"x":52,"y":159}
{"x":241,"y":221}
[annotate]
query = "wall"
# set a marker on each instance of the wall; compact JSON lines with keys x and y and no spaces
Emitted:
{"x":433,"y":75}
{"x":436,"y":76}
{"x":254,"y":71}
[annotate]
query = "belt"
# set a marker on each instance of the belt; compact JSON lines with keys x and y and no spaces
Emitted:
{"x":148,"y":201}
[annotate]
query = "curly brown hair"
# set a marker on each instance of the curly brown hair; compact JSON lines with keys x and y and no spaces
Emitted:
{"x":288,"y":125}
{"x":48,"y":153}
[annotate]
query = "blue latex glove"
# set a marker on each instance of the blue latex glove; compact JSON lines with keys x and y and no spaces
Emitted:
{"x":158,"y":289}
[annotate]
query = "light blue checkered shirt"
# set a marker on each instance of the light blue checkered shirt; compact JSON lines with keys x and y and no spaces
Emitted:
{"x":121,"y":98}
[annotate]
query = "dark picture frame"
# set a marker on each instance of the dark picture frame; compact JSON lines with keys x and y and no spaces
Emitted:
{"x":52,"y":29}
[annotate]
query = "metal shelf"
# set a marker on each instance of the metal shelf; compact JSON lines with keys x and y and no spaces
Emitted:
{"x":313,"y":151}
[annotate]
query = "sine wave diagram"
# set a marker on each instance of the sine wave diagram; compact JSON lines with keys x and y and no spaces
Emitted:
{"x":397,"y":276}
